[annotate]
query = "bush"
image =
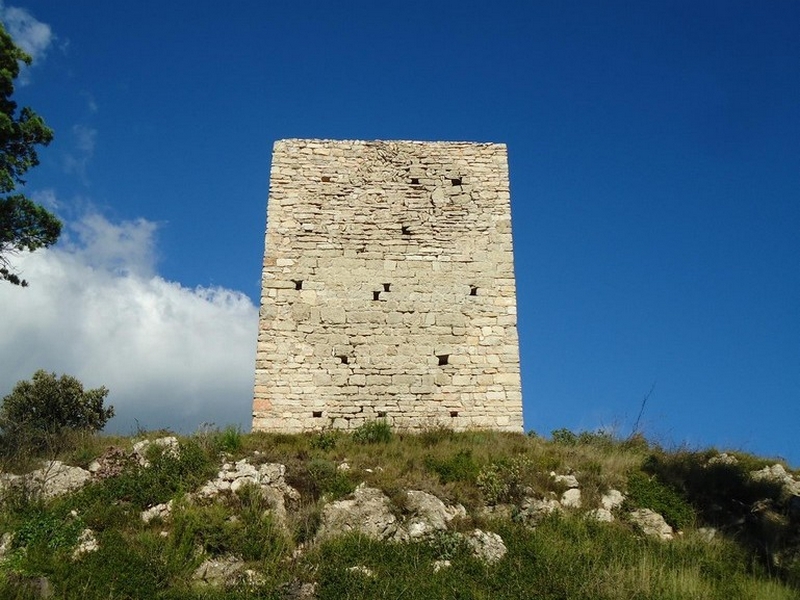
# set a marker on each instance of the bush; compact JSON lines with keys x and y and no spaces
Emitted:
{"x":40,"y":412}
{"x":373,"y":432}
{"x":649,"y":492}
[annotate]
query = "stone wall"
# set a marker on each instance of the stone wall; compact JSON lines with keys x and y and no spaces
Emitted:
{"x":388,"y":288}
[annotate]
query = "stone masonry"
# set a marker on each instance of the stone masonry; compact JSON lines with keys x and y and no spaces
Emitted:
{"x":388,"y":288}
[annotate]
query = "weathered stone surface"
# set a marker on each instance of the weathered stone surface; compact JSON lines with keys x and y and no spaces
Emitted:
{"x":612,"y":499}
{"x":571,"y":498}
{"x":487,"y":546}
{"x":221,"y":571}
{"x":388,"y":288}
{"x":159,"y":511}
{"x":600,"y":514}
{"x":723,"y":459}
{"x":169,"y":443}
{"x":429,"y":514}
{"x":651,"y":523}
{"x":570,"y":481}
{"x":368,"y":512}
{"x":533,"y":510}
{"x":111,"y":463}
{"x":55,"y":479}
{"x":86,"y":543}
{"x":778,"y":474}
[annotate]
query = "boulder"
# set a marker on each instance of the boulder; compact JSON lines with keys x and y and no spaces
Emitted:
{"x":159,"y":511}
{"x":571,"y":498}
{"x":533,"y":510}
{"x":651,"y":523}
{"x":429,"y":514}
{"x":111,"y":463}
{"x":368,"y":512}
{"x":612,"y":499}
{"x":486,"y":546}
{"x":567,"y":480}
{"x":220,"y":571}
{"x":86,"y":543}
{"x":56,"y":479}
{"x":600,"y":514}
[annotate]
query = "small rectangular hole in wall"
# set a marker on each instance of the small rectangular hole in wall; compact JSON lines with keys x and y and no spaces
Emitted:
{"x":453,"y":413}
{"x":415,"y":181}
{"x":344,"y":359}
{"x":405,"y":230}
{"x":456,"y":181}
{"x":386,"y":287}
{"x":317,"y":414}
{"x":298,"y":284}
{"x":443,"y":359}
{"x":473,"y":290}
{"x":376,"y":295}
{"x":326,"y":179}
{"x":381,"y":414}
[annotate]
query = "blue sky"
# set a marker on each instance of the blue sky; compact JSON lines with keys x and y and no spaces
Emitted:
{"x":654,"y":153}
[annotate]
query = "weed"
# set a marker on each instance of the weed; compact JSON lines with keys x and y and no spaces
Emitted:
{"x":649,"y":492}
{"x":373,"y":432}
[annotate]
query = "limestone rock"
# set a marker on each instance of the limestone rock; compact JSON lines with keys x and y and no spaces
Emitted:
{"x":571,"y":498}
{"x":651,"y":523}
{"x":533,"y":510}
{"x":440,"y":564}
{"x":429,"y":514}
{"x":600,"y":514}
{"x":159,"y":511}
{"x":570,"y":481}
{"x":368,"y":512}
{"x":723,"y":459}
{"x":56,"y":479}
{"x":487,"y":546}
{"x":111,"y":463}
{"x":221,"y":571}
{"x":86,"y":543}
{"x":362,"y":570}
{"x":169,"y":443}
{"x":777,"y":473}
{"x":612,"y":499}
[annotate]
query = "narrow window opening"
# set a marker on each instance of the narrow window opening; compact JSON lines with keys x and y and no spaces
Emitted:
{"x":415,"y":181}
{"x":456,"y":181}
{"x":405,"y":230}
{"x":473,"y":290}
{"x":298,"y":284}
{"x":376,"y":295}
{"x":344,"y":359}
{"x":453,"y":413}
{"x":386,"y":287}
{"x":326,"y":179}
{"x":381,"y":414}
{"x":443,"y":359}
{"x":317,"y":414}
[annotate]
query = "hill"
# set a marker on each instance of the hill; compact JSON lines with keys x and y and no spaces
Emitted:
{"x":381,"y":514}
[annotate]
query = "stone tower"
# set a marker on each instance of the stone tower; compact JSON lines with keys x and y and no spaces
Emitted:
{"x":388,"y":288}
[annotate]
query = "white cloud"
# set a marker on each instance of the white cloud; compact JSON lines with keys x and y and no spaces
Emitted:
{"x":85,"y":139}
{"x":172,"y":356}
{"x":30,"y":34}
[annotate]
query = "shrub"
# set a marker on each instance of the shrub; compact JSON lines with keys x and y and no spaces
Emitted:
{"x":504,"y":481}
{"x":39,"y":412}
{"x":373,"y":432}
{"x":649,"y":492}
{"x":459,"y":467}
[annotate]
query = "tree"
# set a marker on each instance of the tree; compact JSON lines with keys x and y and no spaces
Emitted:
{"x":24,"y":225}
{"x":47,"y":407}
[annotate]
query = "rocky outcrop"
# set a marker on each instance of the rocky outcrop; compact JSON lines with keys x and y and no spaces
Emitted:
{"x":368,"y":512}
{"x":225,"y":571}
{"x":53,"y":479}
{"x":651,"y":524}
{"x":487,"y":546}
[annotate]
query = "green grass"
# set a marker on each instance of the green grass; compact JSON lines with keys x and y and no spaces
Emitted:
{"x":565,"y":556}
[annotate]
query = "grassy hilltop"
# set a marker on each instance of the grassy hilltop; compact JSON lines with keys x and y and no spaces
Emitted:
{"x":737,"y":536}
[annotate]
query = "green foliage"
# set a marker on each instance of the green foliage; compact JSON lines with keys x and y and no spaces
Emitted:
{"x":242,"y":527}
{"x":325,"y":440}
{"x":39,"y":413}
{"x":564,"y":437}
{"x":504,"y":481}
{"x":373,"y":432}
{"x":24,"y":225}
{"x":649,"y":492}
{"x":458,"y":467}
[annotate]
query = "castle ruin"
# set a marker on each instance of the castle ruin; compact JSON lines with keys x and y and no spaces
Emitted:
{"x":388,"y":288}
